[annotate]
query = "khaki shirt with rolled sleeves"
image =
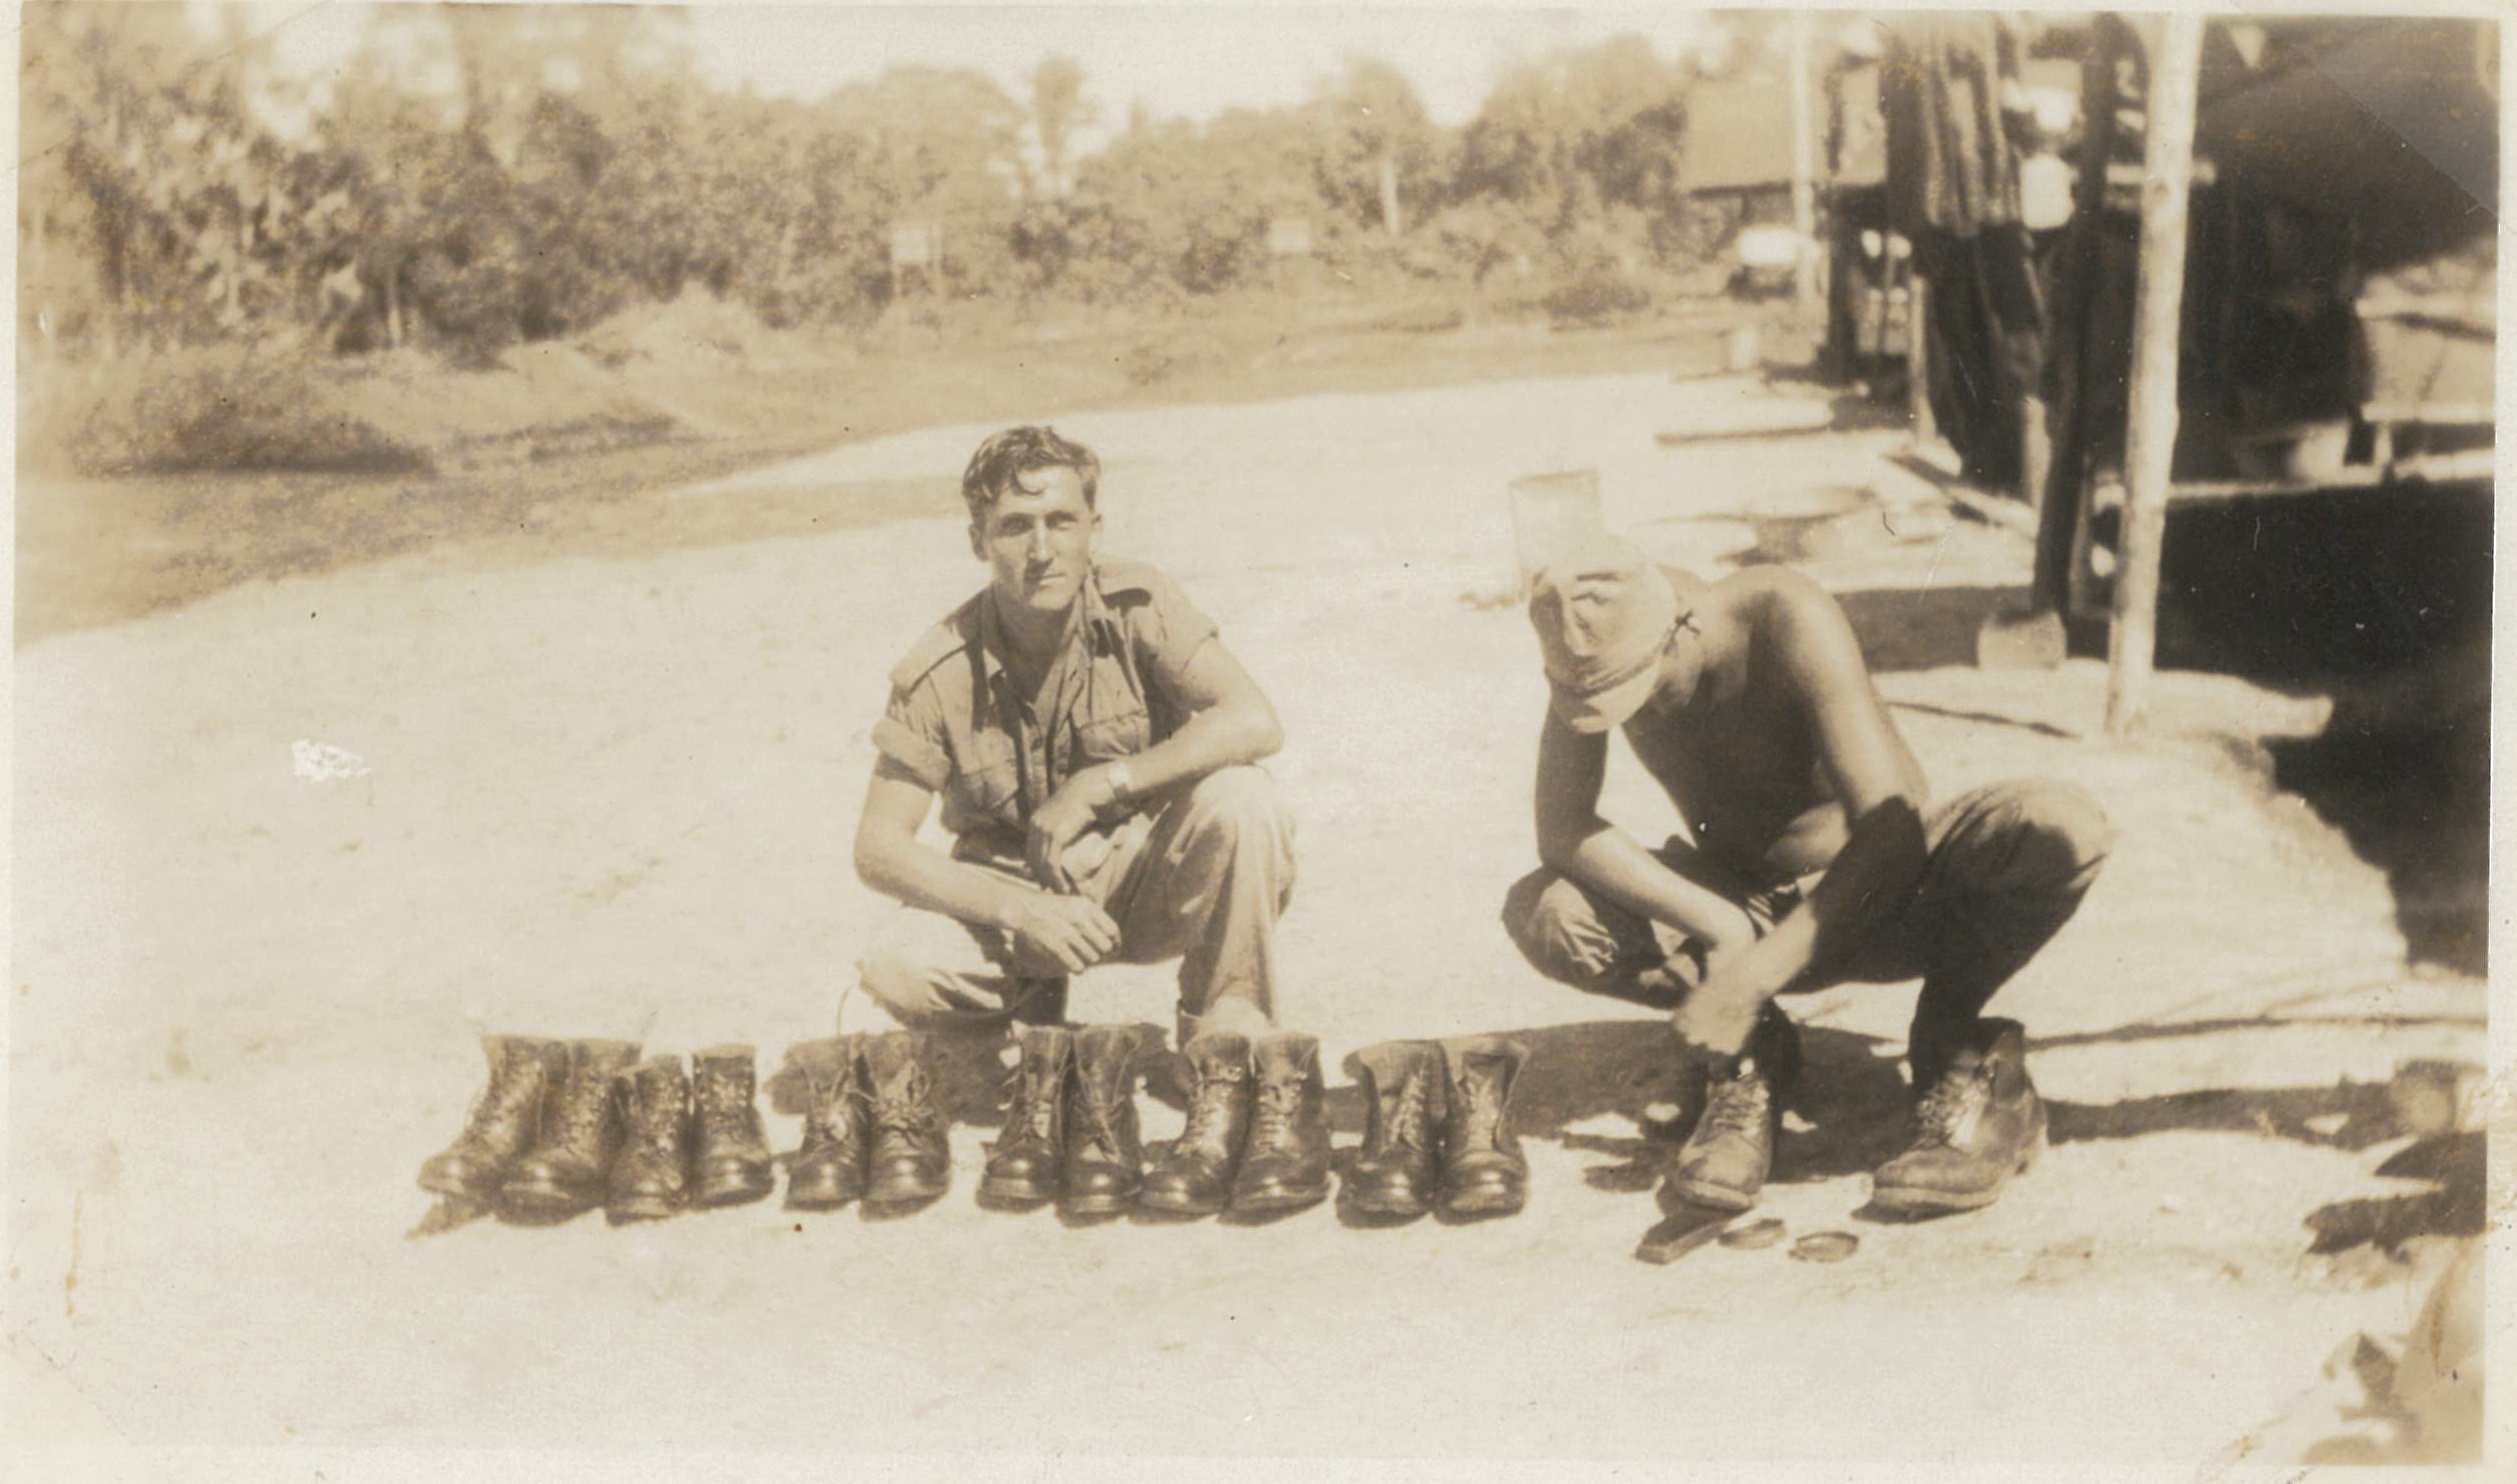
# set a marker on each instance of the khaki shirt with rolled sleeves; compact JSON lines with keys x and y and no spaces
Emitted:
{"x":958,"y":724}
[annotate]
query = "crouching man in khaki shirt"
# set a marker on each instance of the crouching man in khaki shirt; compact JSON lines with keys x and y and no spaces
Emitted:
{"x":1094,"y":744}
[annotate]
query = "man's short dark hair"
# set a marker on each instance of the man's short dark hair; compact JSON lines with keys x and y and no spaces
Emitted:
{"x":1005,"y":457}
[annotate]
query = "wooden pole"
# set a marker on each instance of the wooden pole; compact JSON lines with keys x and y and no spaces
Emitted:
{"x":1804,"y":166}
{"x":1918,"y":354}
{"x":2175,"y":85}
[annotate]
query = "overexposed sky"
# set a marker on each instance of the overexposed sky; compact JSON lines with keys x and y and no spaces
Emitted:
{"x":1180,"y":60}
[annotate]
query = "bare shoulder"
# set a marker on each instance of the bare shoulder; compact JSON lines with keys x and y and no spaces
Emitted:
{"x":1772,"y":601}
{"x":1768,"y":586}
{"x":1788,"y":612}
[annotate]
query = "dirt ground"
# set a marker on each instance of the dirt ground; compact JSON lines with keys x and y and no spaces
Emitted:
{"x":612,"y":794}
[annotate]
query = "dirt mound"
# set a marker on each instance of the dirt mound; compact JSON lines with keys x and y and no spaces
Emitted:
{"x":540,"y":401}
{"x":698,"y":330}
{"x":223,"y":409}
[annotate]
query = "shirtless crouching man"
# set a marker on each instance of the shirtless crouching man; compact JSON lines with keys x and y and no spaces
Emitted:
{"x":1816,"y":858}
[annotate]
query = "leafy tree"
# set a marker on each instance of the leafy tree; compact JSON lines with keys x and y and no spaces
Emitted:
{"x":1585,"y":143}
{"x":936,"y":146}
{"x":1171,"y":200}
{"x":1058,"y":109}
{"x":1379,"y":148}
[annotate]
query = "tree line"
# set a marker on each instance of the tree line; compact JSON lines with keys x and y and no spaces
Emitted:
{"x":482,"y":175}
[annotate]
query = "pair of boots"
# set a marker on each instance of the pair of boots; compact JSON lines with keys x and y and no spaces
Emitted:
{"x":1256,"y":1140}
{"x":872,"y":1130}
{"x":1462,"y":1154}
{"x":565,"y":1125}
{"x":1978,"y":1123}
{"x":1070,"y":1131}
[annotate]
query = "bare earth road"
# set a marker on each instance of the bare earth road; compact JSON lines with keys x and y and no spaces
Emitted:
{"x":615,"y":798}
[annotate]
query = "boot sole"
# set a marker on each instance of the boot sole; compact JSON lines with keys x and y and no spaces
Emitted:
{"x":1716,"y":1197}
{"x":818,"y":1203}
{"x":1387,"y":1209}
{"x":1486,"y":1203}
{"x":1101,"y":1205}
{"x":485,"y":1191}
{"x":1274,"y":1201}
{"x":814,"y":1189}
{"x":619,"y":1211}
{"x":1014,"y":1193}
{"x":541,"y":1207}
{"x":1901,"y":1202}
{"x":735,"y":1192}
{"x":1908,"y":1200}
{"x":1173,"y":1206}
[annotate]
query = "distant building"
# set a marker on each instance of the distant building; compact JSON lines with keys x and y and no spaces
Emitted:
{"x":1739,"y":146}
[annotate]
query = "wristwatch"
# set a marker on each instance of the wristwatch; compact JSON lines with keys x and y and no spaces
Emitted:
{"x":1122,"y":786}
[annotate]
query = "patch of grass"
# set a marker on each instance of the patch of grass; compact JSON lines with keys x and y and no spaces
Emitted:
{"x":225,"y":410}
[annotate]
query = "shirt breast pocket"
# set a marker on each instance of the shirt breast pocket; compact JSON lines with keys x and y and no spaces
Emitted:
{"x":1116,"y":735}
{"x":988,"y":781}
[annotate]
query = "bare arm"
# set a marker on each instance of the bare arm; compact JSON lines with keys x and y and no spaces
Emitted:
{"x":1230,"y":722}
{"x":1073,"y":932}
{"x":1575,"y":842}
{"x":1880,"y":786}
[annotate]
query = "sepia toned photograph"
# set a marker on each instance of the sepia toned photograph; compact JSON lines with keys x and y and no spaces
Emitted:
{"x":1250,"y":741}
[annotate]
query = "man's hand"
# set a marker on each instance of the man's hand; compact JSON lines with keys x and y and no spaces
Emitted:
{"x":1079,"y":802}
{"x":1717,"y":1017}
{"x":1072,"y":932}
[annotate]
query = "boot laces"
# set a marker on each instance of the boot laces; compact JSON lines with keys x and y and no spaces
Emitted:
{"x":1950,"y":1106}
{"x":903,"y":1107}
{"x":826,"y":1107}
{"x":1408,"y":1120}
{"x":507,"y":1099}
{"x":1033,"y":1117}
{"x":1208,"y":1109}
{"x":1483,"y":1087}
{"x":649,"y":1106}
{"x":585,"y":1101}
{"x":1101,"y":1126}
{"x":721,"y":1100}
{"x":1271,"y":1122}
{"x":1739,"y":1104}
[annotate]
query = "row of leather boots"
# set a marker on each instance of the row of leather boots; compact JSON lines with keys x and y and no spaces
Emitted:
{"x":1255,"y":1141}
{"x":1256,"y":1138}
{"x":564,"y":1126}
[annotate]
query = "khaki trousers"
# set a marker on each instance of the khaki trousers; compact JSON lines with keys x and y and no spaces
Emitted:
{"x":1202,"y":879}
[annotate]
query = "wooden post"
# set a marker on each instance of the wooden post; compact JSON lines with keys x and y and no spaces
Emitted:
{"x":1918,"y":354}
{"x":2150,"y":441}
{"x":1804,"y":167}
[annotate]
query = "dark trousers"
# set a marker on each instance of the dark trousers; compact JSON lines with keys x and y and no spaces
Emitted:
{"x":2007,"y":865}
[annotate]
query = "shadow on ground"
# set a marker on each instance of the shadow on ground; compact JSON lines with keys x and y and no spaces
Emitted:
{"x":2384,"y":598}
{"x":1923,"y":628}
{"x":1852,"y":1105}
{"x":2456,"y":1164}
{"x":2384,"y":607}
{"x":2413,"y":801}
{"x":1854,"y":1097}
